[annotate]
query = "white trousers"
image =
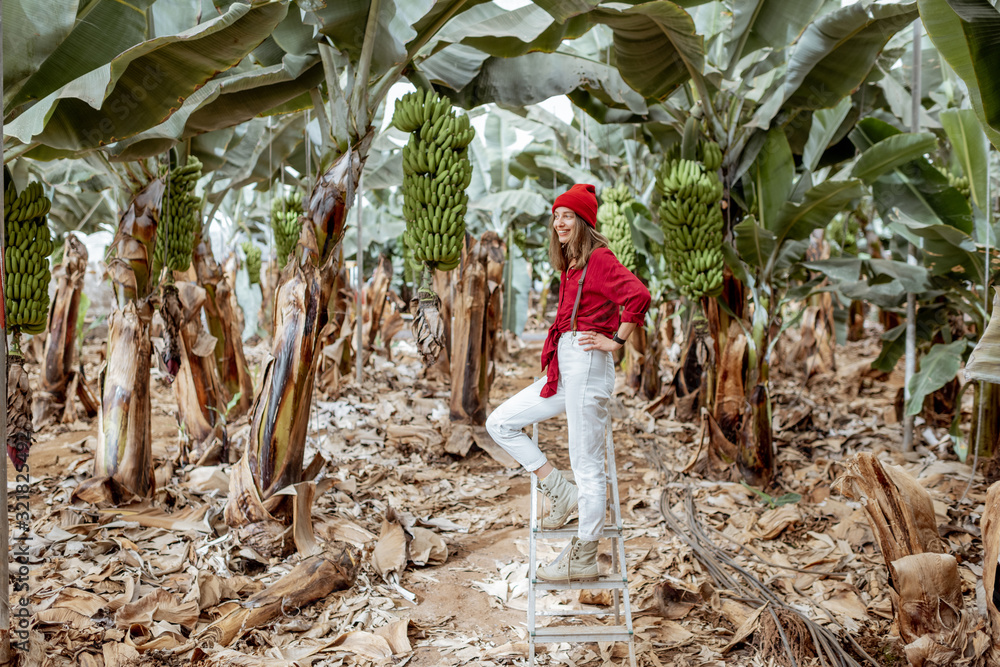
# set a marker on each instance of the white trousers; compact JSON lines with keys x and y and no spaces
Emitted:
{"x":586,"y":380}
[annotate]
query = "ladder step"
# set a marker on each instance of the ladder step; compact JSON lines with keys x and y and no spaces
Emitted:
{"x":605,"y":583}
{"x":571,"y":531}
{"x":582,"y":633}
{"x":577,"y":612}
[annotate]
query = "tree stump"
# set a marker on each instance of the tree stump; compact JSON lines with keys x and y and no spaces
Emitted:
{"x":478,"y":316}
{"x":58,"y":370}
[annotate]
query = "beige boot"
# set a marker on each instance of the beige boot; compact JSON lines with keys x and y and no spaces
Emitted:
{"x":578,"y":562}
{"x":562,"y":497}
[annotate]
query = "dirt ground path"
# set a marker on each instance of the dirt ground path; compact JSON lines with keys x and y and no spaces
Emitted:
{"x":383,"y":443}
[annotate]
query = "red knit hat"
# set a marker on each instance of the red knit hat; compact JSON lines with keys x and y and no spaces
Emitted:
{"x":582,"y":200}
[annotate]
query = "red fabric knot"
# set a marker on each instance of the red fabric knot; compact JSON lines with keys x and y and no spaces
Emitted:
{"x":582,"y":200}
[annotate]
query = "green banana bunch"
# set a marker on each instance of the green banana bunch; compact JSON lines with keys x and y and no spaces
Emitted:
{"x":436,"y":172}
{"x":29,"y":244}
{"x":252,"y":253}
{"x":960,"y":183}
{"x":285,"y":212}
{"x":691,"y":218}
{"x":181,"y":221}
{"x":615,"y":226}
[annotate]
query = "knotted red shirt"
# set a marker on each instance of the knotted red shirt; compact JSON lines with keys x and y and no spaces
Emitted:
{"x":607,"y":288}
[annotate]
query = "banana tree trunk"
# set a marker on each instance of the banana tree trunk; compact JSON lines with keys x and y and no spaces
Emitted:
{"x":856,"y":321}
{"x":755,"y":458}
{"x":280,"y":411}
{"x":376,"y":300}
{"x":196,"y":386}
{"x":634,"y":358}
{"x":478,"y":296}
{"x":985,"y":433}
{"x":233,"y":372}
{"x":123,"y":463}
{"x":20,"y":431}
{"x":60,"y":345}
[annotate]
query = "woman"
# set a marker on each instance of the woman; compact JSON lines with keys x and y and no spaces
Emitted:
{"x":580,"y":376}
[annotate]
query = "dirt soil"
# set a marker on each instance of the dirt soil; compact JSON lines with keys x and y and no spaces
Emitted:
{"x":114,"y":587}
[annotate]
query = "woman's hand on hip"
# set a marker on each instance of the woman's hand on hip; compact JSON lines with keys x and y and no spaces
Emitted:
{"x":591,"y":340}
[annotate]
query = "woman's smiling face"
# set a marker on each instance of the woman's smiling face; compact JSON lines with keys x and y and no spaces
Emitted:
{"x":564,"y":221}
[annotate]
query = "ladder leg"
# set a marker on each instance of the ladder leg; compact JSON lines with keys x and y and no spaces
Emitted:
{"x":533,"y":524}
{"x":614,"y":502}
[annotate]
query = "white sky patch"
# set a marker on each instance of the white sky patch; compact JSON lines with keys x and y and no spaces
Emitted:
{"x":511,"y":5}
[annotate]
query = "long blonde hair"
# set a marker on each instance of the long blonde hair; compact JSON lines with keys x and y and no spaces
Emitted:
{"x":582,"y":242}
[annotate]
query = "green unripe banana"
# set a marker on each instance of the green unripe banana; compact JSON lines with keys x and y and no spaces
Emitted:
{"x":691,"y":219}
{"x":27,"y":274}
{"x":436,"y":171}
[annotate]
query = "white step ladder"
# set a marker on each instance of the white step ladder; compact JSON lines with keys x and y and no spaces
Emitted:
{"x":616,"y":580}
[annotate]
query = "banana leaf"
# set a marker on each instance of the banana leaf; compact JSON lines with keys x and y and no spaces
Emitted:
{"x":49,"y":44}
{"x":825,"y":126}
{"x":656,"y":47}
{"x":984,"y":362}
{"x":761,"y":24}
{"x":965,"y":32}
{"x":535,"y":77}
{"x":937,"y":368}
{"x":516,"y":288}
{"x":970,"y":148}
{"x":506,"y":33}
{"x":834,"y":56}
{"x":227,"y":101}
{"x":892,"y":152}
{"x":915,"y":188}
{"x":141,"y":87}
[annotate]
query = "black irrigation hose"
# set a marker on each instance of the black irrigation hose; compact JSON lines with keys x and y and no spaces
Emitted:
{"x":716,"y":561}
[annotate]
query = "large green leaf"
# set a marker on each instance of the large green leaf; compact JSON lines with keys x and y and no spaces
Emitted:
{"x":937,"y":368}
{"x":535,"y":77}
{"x":970,"y":148}
{"x":345,"y":23}
{"x":32,"y":31}
{"x":453,"y":66}
{"x":834,"y":56}
{"x":507,"y":33}
{"x":892,"y":152}
{"x":967,"y":33}
{"x":848,"y":270}
{"x":140,"y":88}
{"x":227,"y":101}
{"x":825,"y":123}
{"x":837,"y":51}
{"x":916,"y":188}
{"x":930,"y":320}
{"x":513,"y":202}
{"x":516,"y":290}
{"x":946,"y":250}
{"x":913,"y":278}
{"x":771,"y":178}
{"x":102,"y":30}
{"x":984,"y":362}
{"x":755,"y":245}
{"x":839,"y":269}
{"x":655,"y":45}
{"x":759,"y":23}
{"x":561,"y":10}
{"x":796,"y":221}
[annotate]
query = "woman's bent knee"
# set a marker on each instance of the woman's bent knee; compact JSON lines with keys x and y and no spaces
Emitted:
{"x":494,"y":425}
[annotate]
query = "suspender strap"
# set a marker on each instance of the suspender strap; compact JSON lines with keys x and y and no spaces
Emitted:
{"x":579,"y":293}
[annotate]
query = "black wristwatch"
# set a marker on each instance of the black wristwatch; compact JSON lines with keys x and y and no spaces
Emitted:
{"x":618,"y":340}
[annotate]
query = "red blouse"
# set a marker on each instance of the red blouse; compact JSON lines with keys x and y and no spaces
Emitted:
{"x":608,"y":287}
